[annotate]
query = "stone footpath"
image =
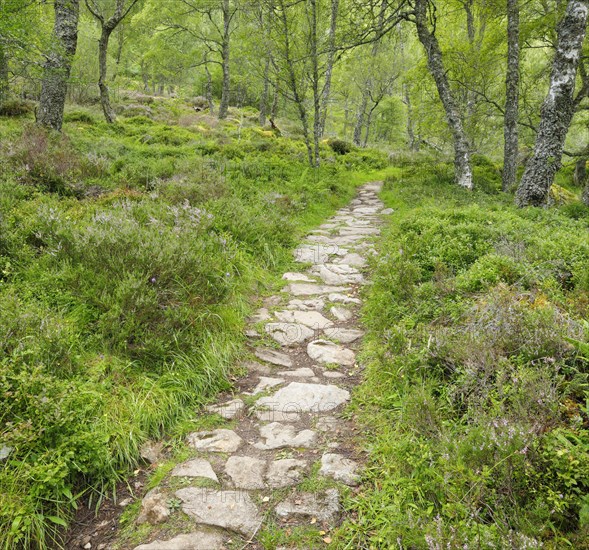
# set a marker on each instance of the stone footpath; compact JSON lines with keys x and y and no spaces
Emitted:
{"x":284,"y":428}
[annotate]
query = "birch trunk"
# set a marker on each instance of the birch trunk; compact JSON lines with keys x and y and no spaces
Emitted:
{"x":265,"y":93}
{"x":329,"y":67}
{"x":107,"y":109}
{"x":510,"y":121}
{"x":462,"y":167}
{"x":58,"y":64}
{"x":557,"y":110}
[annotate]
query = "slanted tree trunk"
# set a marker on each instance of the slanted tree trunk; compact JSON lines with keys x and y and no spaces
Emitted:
{"x":225,"y":58}
{"x":329,"y":67}
{"x":462,"y":167}
{"x":4,"y":87}
{"x":119,"y":54}
{"x":275,"y":97}
{"x":511,"y":116}
{"x":58,"y":64}
{"x":557,"y":110}
{"x":585,"y":197}
{"x":315,"y":82}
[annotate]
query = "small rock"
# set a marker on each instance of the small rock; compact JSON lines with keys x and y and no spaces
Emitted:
{"x":341,"y":313}
{"x":289,"y":334}
{"x":228,"y":410}
{"x":217,"y":441}
{"x":266,"y":383}
{"x":277,"y":436}
{"x":260,"y":316}
{"x":343,"y":335}
{"x":304,"y":397}
{"x":342,"y":298}
{"x":311,"y":319}
{"x":324,"y":507}
{"x":246,"y":472}
{"x":333,"y":374}
{"x":251,"y":333}
{"x":154,"y":507}
{"x":285,"y":472}
{"x":196,"y":467}
{"x":336,"y":274}
{"x":5,"y":451}
{"x":125,"y":502}
{"x":312,"y":304}
{"x":151,"y":451}
{"x":303,"y":372}
{"x":274,"y":357}
{"x":339,"y":468}
{"x":87,"y":546}
{"x":301,"y":277}
{"x":327,"y":424}
{"x":387,"y":211}
{"x":327,"y":352}
{"x":198,"y":540}
{"x":308,"y":289}
{"x":232,"y":510}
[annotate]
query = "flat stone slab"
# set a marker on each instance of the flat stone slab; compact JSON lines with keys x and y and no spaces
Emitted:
{"x":154,"y":507}
{"x":261,"y":315}
{"x":312,"y":304}
{"x":336,"y":274}
{"x":197,"y":540}
{"x":197,"y":467}
{"x":216,"y":441}
{"x":359,"y":231}
{"x":289,"y":334}
{"x":317,"y":253}
{"x":273,"y":356}
{"x":271,"y":415}
{"x":246,"y":472}
{"x":339,"y":468}
{"x":233,"y":510}
{"x":285,"y":472}
{"x":341,"y":313}
{"x":266,"y":383}
{"x":306,"y":398}
{"x":277,"y":436}
{"x":229,"y":409}
{"x":352,"y":259}
{"x":343,"y":335}
{"x":343,"y":299}
{"x":311,"y":319}
{"x":290,"y":276}
{"x":323,"y":506}
{"x":308,"y":289}
{"x":303,"y":372}
{"x":326,"y":352}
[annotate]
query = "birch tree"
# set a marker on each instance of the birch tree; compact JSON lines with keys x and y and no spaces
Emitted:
{"x":558,"y":108}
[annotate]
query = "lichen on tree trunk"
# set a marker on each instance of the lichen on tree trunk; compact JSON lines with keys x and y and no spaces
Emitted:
{"x":58,"y":64}
{"x":557,"y":110}
{"x":462,"y":167}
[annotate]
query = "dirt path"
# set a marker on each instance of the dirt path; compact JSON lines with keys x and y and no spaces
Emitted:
{"x":278,"y":463}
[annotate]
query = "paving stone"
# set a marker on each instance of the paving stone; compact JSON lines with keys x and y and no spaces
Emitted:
{"x":341,"y":313}
{"x":197,"y":540}
{"x":216,"y":441}
{"x":266,"y":383}
{"x":246,"y":472}
{"x":196,"y":467}
{"x":285,"y":472}
{"x":359,"y":231}
{"x":260,"y":316}
{"x":154,"y":507}
{"x":277,"y":436}
{"x":343,"y":299}
{"x":333,"y":374}
{"x":326,"y":352}
{"x":273,"y":415}
{"x":303,"y":372}
{"x":272,"y":301}
{"x":327,"y":424}
{"x":152,"y":451}
{"x":323,"y":506}
{"x":317,"y":253}
{"x":251,"y":333}
{"x":311,"y":319}
{"x":289,"y":334}
{"x":229,"y":409}
{"x":339,"y":468}
{"x":387,"y":211}
{"x":254,"y":366}
{"x":343,"y":335}
{"x":233,"y":510}
{"x":273,"y":356}
{"x":312,"y":304}
{"x":308,"y":289}
{"x":297,"y":277}
{"x":336,"y":274}
{"x":306,"y":397}
{"x":352,"y":259}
